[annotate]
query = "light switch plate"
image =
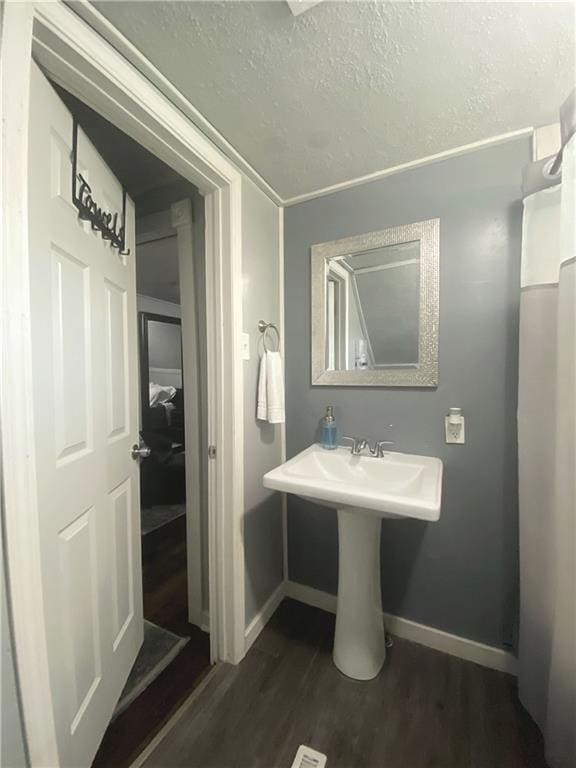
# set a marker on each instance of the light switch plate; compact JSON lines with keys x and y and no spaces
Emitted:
{"x":245,"y":346}
{"x":455,"y":433}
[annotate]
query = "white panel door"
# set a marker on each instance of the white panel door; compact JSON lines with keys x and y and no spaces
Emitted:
{"x":83,"y":295}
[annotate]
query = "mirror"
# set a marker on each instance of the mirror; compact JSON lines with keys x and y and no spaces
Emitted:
{"x":163,"y":474}
{"x":161,"y":372}
{"x":375,"y":308}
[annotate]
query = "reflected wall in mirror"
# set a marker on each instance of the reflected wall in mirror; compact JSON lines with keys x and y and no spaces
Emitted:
{"x":165,"y":353}
{"x":375,"y":308}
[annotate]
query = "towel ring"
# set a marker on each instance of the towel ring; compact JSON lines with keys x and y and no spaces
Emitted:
{"x":264,"y":327}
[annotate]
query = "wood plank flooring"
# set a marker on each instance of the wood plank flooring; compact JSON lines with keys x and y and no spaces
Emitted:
{"x":425,"y":710}
{"x":165,"y":604}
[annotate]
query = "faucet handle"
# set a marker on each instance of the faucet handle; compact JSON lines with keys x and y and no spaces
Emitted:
{"x":379,"y":447}
{"x":358,"y":443}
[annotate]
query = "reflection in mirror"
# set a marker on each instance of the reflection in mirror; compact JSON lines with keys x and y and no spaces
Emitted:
{"x":165,"y":353}
{"x":373,"y":300}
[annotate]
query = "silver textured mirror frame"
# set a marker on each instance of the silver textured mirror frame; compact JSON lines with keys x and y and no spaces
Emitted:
{"x":425,"y":372}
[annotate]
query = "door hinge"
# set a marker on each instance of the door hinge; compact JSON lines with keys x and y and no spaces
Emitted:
{"x":211,"y":451}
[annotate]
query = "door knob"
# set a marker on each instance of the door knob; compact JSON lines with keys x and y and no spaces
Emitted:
{"x":141,"y":451}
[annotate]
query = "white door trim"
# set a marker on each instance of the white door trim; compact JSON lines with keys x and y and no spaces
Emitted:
{"x":75,"y":56}
{"x":182,"y":222}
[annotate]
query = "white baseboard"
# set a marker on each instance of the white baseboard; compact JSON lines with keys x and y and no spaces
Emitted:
{"x":263,"y":616}
{"x":470,"y":650}
{"x":310,"y":596}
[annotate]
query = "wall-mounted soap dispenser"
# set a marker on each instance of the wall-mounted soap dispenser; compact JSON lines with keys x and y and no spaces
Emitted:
{"x":329,"y":431}
{"x":454,"y":423}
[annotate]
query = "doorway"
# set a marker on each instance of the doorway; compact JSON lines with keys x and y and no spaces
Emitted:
{"x":73,"y":55}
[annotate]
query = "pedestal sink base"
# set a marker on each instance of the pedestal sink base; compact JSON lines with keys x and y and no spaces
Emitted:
{"x":359,"y":641}
{"x":363,"y":489}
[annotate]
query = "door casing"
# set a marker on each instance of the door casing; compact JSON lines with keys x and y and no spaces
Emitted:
{"x":73,"y":55}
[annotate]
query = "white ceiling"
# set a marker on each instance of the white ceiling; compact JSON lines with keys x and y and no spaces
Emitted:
{"x":351,"y":88}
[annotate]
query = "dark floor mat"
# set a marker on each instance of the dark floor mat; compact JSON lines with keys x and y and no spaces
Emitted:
{"x":153,"y":518}
{"x":158,"y":649}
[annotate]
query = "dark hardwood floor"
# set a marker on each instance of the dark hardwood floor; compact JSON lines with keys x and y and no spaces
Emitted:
{"x":425,"y":709}
{"x":165,"y":604}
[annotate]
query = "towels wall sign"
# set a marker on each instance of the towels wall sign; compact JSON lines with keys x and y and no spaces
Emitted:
{"x":105,"y":222}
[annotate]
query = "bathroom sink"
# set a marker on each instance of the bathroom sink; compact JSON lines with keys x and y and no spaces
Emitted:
{"x":365,"y":490}
{"x":396,"y":485}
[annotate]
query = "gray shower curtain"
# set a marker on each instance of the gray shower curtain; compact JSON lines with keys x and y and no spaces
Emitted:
{"x":547,"y":463}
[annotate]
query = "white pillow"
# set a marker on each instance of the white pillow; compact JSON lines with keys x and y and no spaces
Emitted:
{"x":159,"y":394}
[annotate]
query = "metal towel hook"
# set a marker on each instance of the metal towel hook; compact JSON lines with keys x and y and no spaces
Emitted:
{"x":264,"y":327}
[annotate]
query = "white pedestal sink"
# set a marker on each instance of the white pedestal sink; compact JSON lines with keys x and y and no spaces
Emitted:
{"x":363,"y":489}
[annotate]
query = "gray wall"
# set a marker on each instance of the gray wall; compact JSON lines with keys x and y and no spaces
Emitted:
{"x":12,"y":749}
{"x":157,"y":267}
{"x":459,"y":574}
{"x":262,"y":441}
{"x":164,"y":345}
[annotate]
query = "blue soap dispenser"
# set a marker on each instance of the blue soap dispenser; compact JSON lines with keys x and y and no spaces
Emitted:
{"x":329,"y":432}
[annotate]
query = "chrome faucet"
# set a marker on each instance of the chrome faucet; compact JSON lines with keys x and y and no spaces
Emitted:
{"x":360,"y":443}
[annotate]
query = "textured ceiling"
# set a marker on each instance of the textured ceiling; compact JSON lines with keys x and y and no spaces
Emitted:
{"x":350,"y":88}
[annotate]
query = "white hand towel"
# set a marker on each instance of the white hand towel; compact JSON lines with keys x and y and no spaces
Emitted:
{"x":271,"y":389}
{"x":261,"y":410}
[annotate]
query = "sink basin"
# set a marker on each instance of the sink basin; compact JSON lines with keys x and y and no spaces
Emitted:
{"x":364,"y":490}
{"x":397,"y":485}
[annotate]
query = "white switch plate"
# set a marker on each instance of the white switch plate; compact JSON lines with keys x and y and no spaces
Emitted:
{"x":245,"y":346}
{"x":455,"y":433}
